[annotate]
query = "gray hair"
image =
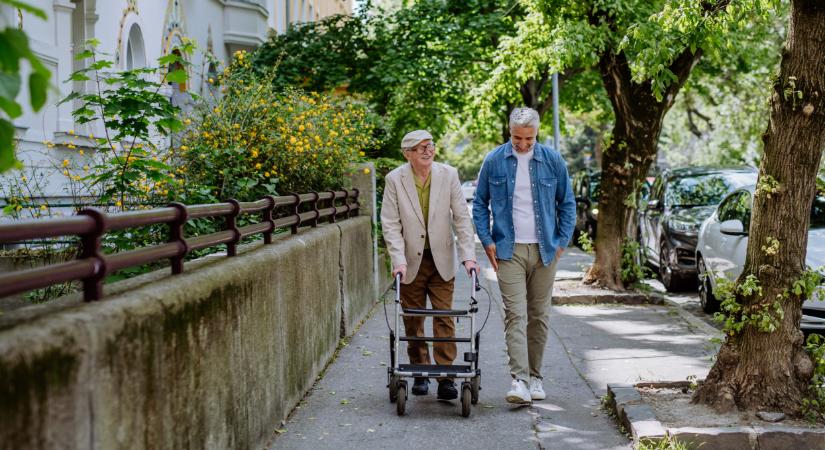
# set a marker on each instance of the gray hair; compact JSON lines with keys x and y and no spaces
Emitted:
{"x":524,"y":117}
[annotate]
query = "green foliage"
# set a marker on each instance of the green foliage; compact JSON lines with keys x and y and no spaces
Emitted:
{"x":14,"y":47}
{"x":813,"y":407}
{"x":767,"y":186}
{"x":633,"y":267}
{"x":666,"y":443}
{"x":126,"y":164}
{"x":416,"y":65}
{"x":258,"y":140}
{"x":586,"y":242}
{"x":764,"y":315}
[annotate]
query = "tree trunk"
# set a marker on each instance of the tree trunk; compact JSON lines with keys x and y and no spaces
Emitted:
{"x":761,"y":370}
{"x":627,"y":158}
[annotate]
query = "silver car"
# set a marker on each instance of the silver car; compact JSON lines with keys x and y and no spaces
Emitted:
{"x":468,"y":188}
{"x":723,"y":243}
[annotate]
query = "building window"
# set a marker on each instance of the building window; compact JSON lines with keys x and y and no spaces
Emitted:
{"x":135,"y":54}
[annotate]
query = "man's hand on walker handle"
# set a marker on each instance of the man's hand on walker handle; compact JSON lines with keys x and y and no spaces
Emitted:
{"x":402,"y":269}
{"x":469,"y":265}
{"x":491,"y":255}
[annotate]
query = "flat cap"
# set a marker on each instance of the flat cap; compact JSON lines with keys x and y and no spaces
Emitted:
{"x":413,"y":138}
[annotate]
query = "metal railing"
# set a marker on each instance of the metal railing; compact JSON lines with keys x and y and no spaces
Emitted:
{"x":91,"y":224}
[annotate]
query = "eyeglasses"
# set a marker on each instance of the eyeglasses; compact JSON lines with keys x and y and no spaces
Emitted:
{"x":423,"y":148}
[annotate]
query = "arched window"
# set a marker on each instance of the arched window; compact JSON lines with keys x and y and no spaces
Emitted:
{"x":135,"y":53}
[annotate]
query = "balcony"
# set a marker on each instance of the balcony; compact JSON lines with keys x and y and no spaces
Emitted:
{"x":245,"y":24}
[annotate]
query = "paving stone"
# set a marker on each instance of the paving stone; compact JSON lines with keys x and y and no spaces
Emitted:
{"x":794,"y":438}
{"x":625,"y":395}
{"x":737,"y":438}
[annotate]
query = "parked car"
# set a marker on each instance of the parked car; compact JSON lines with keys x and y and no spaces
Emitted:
{"x":723,"y":243}
{"x":680,"y":200}
{"x":468,"y":188}
{"x":586,"y":191}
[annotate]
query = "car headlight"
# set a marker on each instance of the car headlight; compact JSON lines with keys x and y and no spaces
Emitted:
{"x":683,"y":226}
{"x":595,"y":213}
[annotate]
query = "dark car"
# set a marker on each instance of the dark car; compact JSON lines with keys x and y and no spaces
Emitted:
{"x":680,"y":200}
{"x":587,"y":192}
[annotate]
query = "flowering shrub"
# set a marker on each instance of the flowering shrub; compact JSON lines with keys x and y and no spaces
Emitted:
{"x":255,"y":140}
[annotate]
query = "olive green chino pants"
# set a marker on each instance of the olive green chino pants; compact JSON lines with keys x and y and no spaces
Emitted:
{"x":526,"y":286}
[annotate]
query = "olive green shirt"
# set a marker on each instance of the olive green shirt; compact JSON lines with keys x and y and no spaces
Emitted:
{"x":424,"y":201}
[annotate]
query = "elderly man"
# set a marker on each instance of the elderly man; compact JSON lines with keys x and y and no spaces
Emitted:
{"x":422,"y":201}
{"x":526,"y":186}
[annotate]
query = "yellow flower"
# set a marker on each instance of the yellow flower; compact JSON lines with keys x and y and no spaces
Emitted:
{"x":86,"y":168}
{"x":266,"y":174}
{"x":301,"y":128}
{"x":66,"y":172}
{"x":24,"y":179}
{"x":254,"y":153}
{"x":258,"y":166}
{"x":366,"y":170}
{"x":65,"y":163}
{"x":205,"y":134}
{"x":71,"y":132}
{"x":292,"y":140}
{"x":211,"y":80}
{"x":80,"y":152}
{"x":188,"y":121}
{"x":71,"y":146}
{"x":19,"y":207}
{"x":43,"y":207}
{"x":361,"y":154}
{"x":118,"y":203}
{"x":184,"y":148}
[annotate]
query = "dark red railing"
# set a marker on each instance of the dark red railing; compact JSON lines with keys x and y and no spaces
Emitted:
{"x":90,"y":225}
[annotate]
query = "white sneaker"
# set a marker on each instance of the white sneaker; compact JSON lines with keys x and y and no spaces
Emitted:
{"x":536,"y":389}
{"x":519,"y":394}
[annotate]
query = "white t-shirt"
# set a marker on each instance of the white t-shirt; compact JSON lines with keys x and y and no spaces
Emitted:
{"x":524,"y":219}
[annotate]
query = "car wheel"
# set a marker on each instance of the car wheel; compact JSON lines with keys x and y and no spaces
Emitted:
{"x":666,"y":275}
{"x":709,"y":302}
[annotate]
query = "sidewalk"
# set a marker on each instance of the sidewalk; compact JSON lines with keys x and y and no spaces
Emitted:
{"x":588,"y":347}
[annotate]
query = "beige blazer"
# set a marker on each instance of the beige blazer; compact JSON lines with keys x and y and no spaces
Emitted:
{"x":403,"y":222}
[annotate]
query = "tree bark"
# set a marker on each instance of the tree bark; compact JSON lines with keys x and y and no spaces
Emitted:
{"x":627,"y":158}
{"x":759,"y":370}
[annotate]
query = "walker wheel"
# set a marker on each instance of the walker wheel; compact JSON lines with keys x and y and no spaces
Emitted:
{"x":393,"y":386}
{"x":401,"y":400}
{"x":475,"y":386}
{"x":466,"y":398}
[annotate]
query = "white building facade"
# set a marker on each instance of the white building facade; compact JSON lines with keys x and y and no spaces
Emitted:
{"x":135,"y":33}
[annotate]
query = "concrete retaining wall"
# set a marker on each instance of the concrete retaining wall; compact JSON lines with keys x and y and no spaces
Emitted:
{"x":213,"y":358}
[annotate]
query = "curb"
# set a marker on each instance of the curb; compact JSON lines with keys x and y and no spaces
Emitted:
{"x":586,"y":295}
{"x":637,"y":417}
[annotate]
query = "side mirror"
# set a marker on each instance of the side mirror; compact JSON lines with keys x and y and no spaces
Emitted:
{"x":653,"y":204}
{"x":733,"y":227}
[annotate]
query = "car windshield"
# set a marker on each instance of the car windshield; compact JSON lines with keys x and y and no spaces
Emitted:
{"x":818,"y":212}
{"x":705,"y":190}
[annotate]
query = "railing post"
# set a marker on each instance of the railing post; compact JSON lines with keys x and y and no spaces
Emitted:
{"x":332,"y":218}
{"x":296,"y":211}
{"x":355,"y":197}
{"x":91,"y":249}
{"x":315,"y":209}
{"x":267,"y":216}
{"x":232,"y":225}
{"x":176,"y":236}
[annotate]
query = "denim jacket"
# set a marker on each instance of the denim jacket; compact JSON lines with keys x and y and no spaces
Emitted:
{"x":555,"y":209}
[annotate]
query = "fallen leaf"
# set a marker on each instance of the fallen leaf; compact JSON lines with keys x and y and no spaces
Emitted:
{"x":370,"y":430}
{"x":280,"y":431}
{"x":344,"y":401}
